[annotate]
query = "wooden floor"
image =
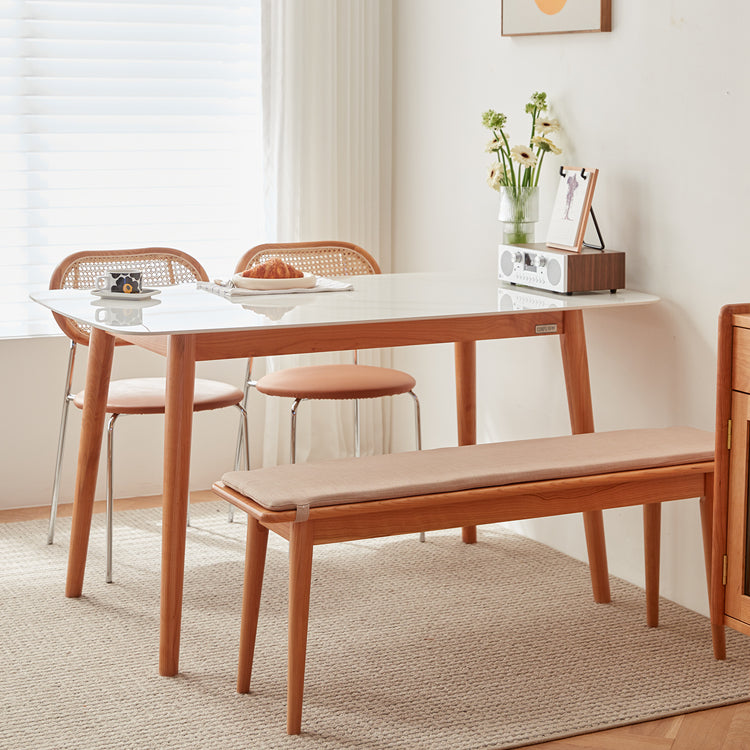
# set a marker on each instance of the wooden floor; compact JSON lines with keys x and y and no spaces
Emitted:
{"x":726,"y":728}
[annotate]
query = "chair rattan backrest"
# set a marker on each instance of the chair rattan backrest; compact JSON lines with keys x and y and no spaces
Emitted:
{"x":319,"y":258}
{"x":160,"y":266}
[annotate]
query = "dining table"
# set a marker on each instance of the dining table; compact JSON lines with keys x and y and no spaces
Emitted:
{"x":192,"y":323}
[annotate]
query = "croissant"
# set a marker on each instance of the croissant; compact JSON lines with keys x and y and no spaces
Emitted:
{"x":273,"y":269}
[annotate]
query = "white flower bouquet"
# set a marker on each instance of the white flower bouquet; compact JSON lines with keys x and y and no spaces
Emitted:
{"x":520,"y":166}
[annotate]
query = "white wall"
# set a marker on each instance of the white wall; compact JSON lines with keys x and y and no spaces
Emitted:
{"x":658,"y":106}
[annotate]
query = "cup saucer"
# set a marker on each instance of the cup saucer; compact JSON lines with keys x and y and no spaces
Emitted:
{"x":122,"y":297}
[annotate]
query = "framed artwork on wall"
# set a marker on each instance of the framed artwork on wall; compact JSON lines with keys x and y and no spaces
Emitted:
{"x":524,"y":17}
{"x":570,"y":212}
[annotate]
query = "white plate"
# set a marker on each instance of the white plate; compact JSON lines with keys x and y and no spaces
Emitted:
{"x":122,"y":297}
{"x":243,"y":282}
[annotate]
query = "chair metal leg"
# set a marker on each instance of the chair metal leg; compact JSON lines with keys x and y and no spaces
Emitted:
{"x":246,"y":390}
{"x":293,"y":436}
{"x":110,"y":491}
{"x":418,"y":436}
{"x":357,"y":423}
{"x":243,"y":441}
{"x":242,"y":430}
{"x":67,"y":398}
{"x":242,"y":452}
{"x":246,"y":431}
{"x":357,"y":429}
{"x":417,"y":421}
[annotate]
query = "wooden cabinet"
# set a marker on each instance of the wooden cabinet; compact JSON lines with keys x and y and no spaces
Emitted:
{"x":730,"y":568}
{"x":736,"y":598}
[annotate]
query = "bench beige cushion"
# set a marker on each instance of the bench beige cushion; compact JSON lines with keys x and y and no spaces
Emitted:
{"x":459,"y":468}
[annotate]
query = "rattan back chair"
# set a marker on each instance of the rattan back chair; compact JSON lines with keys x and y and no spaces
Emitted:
{"x":339,"y":382}
{"x":160,"y":267}
{"x":319,"y":258}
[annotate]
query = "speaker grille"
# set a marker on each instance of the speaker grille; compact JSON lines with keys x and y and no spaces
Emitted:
{"x":506,"y":262}
{"x":554,"y":272}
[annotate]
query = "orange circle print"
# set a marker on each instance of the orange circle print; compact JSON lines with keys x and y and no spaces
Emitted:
{"x":550,"y":7}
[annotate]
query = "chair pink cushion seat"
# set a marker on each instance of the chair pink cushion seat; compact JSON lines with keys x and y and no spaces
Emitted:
{"x":471,"y":466}
{"x":336,"y":382}
{"x":148,"y":396}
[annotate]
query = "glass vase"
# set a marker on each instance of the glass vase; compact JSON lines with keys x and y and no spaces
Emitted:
{"x":519,"y":213}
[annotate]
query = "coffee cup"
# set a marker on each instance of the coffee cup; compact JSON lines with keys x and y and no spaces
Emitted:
{"x":120,"y":282}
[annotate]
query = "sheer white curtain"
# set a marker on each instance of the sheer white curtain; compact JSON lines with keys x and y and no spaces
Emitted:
{"x":327,"y":123}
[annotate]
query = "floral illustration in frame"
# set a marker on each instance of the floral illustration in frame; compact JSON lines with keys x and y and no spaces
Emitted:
{"x":524,"y":17}
{"x":570,"y":211}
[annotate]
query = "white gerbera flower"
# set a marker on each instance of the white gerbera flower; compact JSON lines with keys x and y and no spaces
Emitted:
{"x":495,"y":176}
{"x":546,"y":144}
{"x":546,"y":125}
{"x":494,"y":145}
{"x":524,"y":155}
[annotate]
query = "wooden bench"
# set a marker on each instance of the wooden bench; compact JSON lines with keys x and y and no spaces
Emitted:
{"x":401,"y":493}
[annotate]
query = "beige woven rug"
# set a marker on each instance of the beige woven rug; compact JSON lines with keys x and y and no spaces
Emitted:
{"x":435,"y":645}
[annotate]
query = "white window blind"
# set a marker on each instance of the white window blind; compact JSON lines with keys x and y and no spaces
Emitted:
{"x":125,"y":124}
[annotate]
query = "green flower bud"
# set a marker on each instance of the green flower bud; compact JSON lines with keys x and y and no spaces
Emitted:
{"x":538,"y":101}
{"x":493,"y":120}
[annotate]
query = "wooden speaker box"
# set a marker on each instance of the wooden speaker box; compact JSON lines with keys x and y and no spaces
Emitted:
{"x":539,"y":266}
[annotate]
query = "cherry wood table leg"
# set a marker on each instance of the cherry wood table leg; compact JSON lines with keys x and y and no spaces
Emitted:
{"x":652,"y":552}
{"x":576,"y":368}
{"x":300,"y":577}
{"x":465,"y":357}
{"x":255,"y":562}
{"x":177,"y":439}
{"x":578,"y":387}
{"x":99,"y":368}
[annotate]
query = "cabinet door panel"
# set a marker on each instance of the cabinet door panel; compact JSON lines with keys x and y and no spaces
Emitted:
{"x":738,"y":571}
{"x":741,"y":360}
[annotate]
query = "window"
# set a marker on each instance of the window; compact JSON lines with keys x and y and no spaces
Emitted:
{"x":125,"y":124}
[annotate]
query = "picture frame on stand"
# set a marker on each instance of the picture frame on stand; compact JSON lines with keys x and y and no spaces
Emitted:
{"x":571,"y":209}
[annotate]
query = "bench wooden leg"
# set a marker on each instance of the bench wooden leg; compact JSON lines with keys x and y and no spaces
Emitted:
{"x":652,"y":551}
{"x":593,"y":524}
{"x":300,"y":574}
{"x":652,"y":545}
{"x":255,"y":559}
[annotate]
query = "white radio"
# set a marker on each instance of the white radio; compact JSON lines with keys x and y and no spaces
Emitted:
{"x":539,"y":266}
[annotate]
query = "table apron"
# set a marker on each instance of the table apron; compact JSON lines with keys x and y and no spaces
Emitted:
{"x":365,"y":335}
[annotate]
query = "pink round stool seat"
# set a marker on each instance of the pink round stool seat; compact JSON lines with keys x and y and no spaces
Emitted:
{"x":148,"y":396}
{"x":336,"y":382}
